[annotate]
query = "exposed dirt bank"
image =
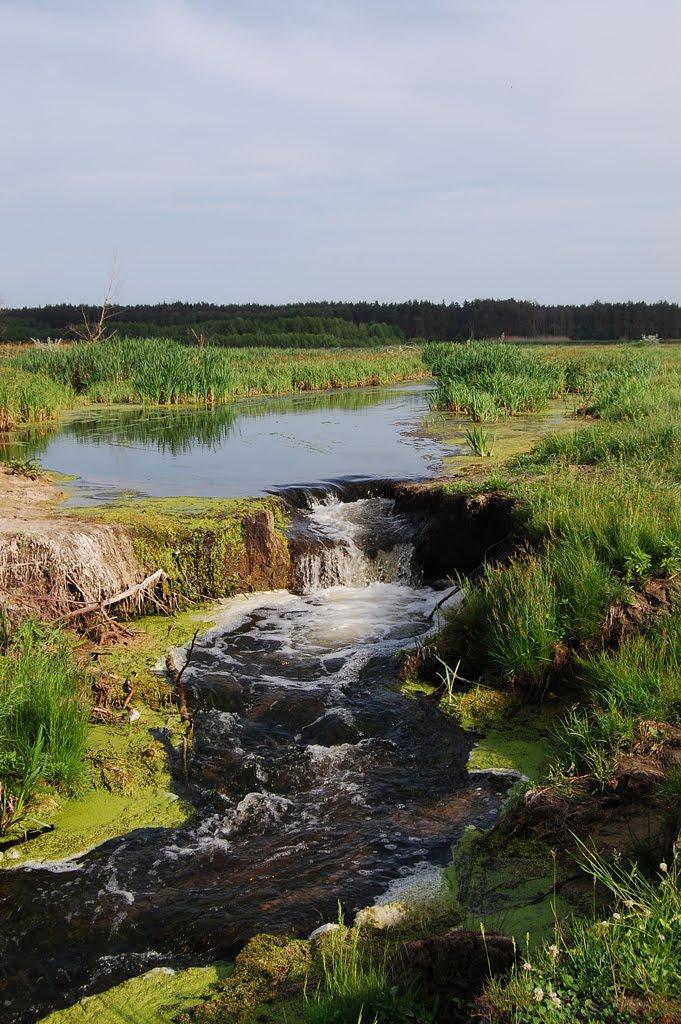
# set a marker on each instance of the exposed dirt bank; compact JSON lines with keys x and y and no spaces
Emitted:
{"x":49,"y":563}
{"x":53,"y":562}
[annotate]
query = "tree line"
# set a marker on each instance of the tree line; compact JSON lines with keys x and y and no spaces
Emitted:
{"x":358,"y":322}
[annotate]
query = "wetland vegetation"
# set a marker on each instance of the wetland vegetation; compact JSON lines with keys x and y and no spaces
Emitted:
{"x":568,"y":638}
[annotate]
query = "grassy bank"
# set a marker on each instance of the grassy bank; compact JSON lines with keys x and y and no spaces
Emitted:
{"x":43,"y":719}
{"x":28,"y":397}
{"x":163,"y":372}
{"x":587,"y":612}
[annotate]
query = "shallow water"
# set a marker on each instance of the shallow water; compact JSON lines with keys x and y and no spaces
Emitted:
{"x":315,"y":781}
{"x":247,"y":447}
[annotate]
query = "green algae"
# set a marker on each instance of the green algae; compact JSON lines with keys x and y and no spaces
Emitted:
{"x":511,"y":884}
{"x":523,"y":742}
{"x":198,"y":542}
{"x":129,"y":788}
{"x":152,"y":998}
{"x":135,"y":656}
{"x":414,"y":687}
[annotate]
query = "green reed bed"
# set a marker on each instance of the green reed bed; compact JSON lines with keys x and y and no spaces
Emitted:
{"x":486,"y":380}
{"x":43,"y":719}
{"x":163,"y":372}
{"x":29,"y":397}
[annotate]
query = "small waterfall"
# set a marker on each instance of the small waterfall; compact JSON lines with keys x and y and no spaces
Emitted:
{"x":353,"y":544}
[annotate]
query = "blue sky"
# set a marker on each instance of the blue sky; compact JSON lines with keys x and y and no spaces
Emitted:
{"x":270,"y":151}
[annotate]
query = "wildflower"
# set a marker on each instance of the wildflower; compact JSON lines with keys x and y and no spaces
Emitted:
{"x":555,"y":999}
{"x":629,"y":904}
{"x":553,"y":950}
{"x":538,"y":994}
{"x":617,"y":917}
{"x":527,"y":966}
{"x":664,"y":867}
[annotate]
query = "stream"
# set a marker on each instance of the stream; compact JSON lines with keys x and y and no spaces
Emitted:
{"x":316,"y":781}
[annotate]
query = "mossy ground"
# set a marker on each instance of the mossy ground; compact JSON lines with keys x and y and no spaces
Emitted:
{"x":152,"y":998}
{"x":129,"y":787}
{"x":196,"y":541}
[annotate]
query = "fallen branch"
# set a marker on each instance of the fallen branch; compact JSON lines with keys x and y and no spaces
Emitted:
{"x":452,"y":593}
{"x":134,"y":591}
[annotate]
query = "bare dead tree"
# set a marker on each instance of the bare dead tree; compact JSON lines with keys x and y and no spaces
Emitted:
{"x":96,"y":328}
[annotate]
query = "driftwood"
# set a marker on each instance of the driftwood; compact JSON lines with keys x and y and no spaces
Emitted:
{"x":176,"y":677}
{"x":135,"y":591}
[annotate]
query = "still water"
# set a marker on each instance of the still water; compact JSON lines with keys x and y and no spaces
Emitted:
{"x":248,"y":447}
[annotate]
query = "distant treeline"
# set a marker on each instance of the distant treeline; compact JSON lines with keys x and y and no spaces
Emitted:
{"x":330,"y":324}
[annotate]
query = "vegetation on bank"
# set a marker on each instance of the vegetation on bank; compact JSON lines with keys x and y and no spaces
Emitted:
{"x":588,"y":610}
{"x":159,"y":371}
{"x":489,"y":380}
{"x":27,"y":397}
{"x":43,"y":717}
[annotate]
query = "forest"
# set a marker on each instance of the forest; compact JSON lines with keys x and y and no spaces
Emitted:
{"x":350,"y":324}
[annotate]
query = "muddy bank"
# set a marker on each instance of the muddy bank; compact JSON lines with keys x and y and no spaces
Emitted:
{"x":52,"y":562}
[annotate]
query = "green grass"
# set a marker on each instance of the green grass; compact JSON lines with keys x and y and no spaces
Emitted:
{"x":620,"y":969}
{"x":27,"y":397}
{"x":640,"y":681}
{"x":164,"y":372}
{"x":486,"y":380}
{"x":43,"y":719}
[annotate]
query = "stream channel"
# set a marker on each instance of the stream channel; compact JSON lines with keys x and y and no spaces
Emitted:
{"x":316,"y":781}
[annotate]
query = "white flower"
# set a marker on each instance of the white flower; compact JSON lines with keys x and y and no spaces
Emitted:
{"x":538,"y":994}
{"x":527,"y":966}
{"x":555,"y":999}
{"x":663,"y":867}
{"x":553,"y":950}
{"x":617,"y":917}
{"x":629,"y":904}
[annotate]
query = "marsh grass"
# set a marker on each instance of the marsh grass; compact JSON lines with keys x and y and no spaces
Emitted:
{"x":480,"y":441}
{"x":164,"y":372}
{"x":27,"y":397}
{"x":486,"y":380}
{"x":43,"y":717}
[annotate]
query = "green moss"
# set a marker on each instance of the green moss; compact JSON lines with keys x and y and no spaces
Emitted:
{"x":197,"y":541}
{"x":129,"y":788}
{"x":152,"y":998}
{"x":523,"y":742}
{"x":510,"y":884}
{"x":270,"y":969}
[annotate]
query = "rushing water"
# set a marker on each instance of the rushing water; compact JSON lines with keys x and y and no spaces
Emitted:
{"x":243,"y":448}
{"x":315,"y":780}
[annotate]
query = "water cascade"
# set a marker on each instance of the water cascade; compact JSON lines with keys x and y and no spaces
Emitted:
{"x":313,"y":777}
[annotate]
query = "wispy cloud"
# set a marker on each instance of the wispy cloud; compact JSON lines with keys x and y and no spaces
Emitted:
{"x":445,"y":148}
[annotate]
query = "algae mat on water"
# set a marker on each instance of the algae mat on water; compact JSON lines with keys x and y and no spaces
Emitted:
{"x":152,"y":998}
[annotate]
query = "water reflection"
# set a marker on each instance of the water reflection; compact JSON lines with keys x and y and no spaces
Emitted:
{"x":246,"y":447}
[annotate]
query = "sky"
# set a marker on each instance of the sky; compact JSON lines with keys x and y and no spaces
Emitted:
{"x":271,"y":151}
